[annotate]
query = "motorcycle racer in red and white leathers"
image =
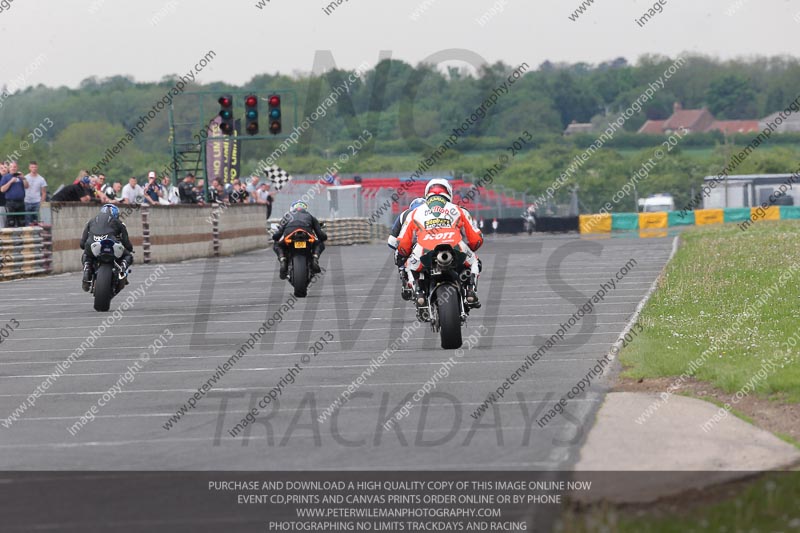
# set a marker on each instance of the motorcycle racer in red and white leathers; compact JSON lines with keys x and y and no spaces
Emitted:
{"x":439,"y":221}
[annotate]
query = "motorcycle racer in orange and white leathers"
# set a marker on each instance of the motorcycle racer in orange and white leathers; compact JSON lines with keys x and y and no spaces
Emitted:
{"x":439,"y":221}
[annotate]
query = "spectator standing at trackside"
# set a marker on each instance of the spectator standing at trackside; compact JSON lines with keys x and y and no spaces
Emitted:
{"x":186,"y":190}
{"x":200,"y":192}
{"x":35,"y":194}
{"x":112,"y":193}
{"x":152,"y":191}
{"x":171,"y":196}
{"x":3,"y":172}
{"x":13,"y":185}
{"x":99,"y":190}
{"x":99,"y":182}
{"x":252,"y":189}
{"x":264,"y":196}
{"x":494,"y":226}
{"x":216,"y":193}
{"x":239,"y":193}
{"x":132,"y":193}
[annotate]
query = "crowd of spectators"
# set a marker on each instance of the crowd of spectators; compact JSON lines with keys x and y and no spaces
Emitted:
{"x":25,"y":193}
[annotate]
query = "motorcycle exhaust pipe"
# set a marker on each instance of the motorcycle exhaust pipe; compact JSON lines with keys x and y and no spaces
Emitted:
{"x":444,"y":258}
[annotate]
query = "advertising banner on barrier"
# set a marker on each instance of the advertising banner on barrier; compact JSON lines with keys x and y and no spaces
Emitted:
{"x":704,"y":217}
{"x":223,"y":156}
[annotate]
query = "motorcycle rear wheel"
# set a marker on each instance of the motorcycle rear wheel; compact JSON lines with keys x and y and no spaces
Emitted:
{"x":300,"y":275}
{"x":103,"y":287}
{"x":449,"y":312}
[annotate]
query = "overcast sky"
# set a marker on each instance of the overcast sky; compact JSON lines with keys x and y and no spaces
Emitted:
{"x":148,"y":39}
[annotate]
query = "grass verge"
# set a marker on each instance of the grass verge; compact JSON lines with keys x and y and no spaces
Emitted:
{"x":730,"y":300}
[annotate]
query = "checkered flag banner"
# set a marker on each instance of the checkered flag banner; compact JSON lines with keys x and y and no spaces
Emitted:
{"x":278,"y":176}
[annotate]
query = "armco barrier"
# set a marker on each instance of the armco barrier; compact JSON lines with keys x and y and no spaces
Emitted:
{"x":653,"y":224}
{"x":25,"y":251}
{"x":163,"y":234}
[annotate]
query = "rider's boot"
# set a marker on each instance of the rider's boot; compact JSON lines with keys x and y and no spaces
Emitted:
{"x":88,"y":272}
{"x":472,"y":292}
{"x":284,"y":267}
{"x":407,"y":290}
{"x":124,"y":267}
{"x":420,"y":298}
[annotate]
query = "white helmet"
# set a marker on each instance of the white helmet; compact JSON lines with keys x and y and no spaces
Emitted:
{"x":441,"y":187}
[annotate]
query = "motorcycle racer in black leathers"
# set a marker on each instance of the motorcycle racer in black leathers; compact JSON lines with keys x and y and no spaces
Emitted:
{"x":298,"y":217}
{"x":107,"y":222}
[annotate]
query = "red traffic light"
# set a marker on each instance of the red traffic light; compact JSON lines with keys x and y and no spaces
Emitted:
{"x":251,"y":101}
{"x":274,"y":100}
{"x":226,"y":114}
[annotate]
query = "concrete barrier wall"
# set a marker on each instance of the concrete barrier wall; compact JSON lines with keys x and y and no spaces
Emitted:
{"x":164,"y":234}
{"x":178,"y":233}
{"x":242,"y":228}
{"x":68,"y":223}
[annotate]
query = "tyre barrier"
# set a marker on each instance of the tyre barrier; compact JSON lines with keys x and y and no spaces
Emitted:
{"x":25,"y":252}
{"x":341,"y":231}
{"x":379,"y":232}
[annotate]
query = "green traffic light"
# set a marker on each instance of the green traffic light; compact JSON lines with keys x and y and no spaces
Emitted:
{"x":252,"y":114}
{"x":275,"y":113}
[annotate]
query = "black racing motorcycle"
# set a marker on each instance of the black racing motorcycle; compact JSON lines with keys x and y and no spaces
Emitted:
{"x":109,"y":277}
{"x":443,"y":280}
{"x":299,"y":246}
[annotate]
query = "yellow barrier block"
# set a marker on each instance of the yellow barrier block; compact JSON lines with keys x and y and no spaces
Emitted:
{"x":653,"y":220}
{"x":653,"y":225}
{"x":770,"y":213}
{"x":704,"y":217}
{"x":650,"y":233}
{"x":595,"y":223}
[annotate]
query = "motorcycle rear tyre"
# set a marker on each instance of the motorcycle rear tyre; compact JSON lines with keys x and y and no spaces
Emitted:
{"x":300,"y":275}
{"x":103,"y":288}
{"x":449,"y":313}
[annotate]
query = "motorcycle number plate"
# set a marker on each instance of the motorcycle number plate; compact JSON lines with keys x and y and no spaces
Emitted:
{"x":299,"y":244}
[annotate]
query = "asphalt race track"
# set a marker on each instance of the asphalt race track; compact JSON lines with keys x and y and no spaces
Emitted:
{"x":530,"y":285}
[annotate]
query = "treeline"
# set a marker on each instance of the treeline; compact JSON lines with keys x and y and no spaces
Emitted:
{"x":411,"y":109}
